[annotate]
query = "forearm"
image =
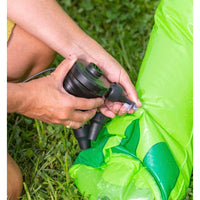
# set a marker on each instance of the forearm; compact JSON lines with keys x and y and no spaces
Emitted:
{"x":45,"y":99}
{"x":46,"y":20}
{"x":16,"y":97}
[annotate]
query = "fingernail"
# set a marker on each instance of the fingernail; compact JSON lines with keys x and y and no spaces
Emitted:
{"x":130,"y":111}
{"x":112,"y":115}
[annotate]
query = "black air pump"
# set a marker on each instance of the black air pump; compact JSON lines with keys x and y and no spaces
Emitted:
{"x":87,"y":82}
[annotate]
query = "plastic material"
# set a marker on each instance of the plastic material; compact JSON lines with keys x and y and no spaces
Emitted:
{"x":148,"y":155}
{"x":84,"y":81}
{"x":97,"y":122}
{"x":81,"y":134}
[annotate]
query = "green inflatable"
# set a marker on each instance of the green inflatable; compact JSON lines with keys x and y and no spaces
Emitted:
{"x":148,"y":154}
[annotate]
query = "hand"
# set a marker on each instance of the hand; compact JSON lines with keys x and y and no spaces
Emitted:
{"x":114,"y":72}
{"x":59,"y":36}
{"x":47,"y":100}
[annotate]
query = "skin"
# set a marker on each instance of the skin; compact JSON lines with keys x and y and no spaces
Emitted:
{"x":52,"y":104}
{"x":15,"y":180}
{"x":31,"y":49}
{"x":60,"y":33}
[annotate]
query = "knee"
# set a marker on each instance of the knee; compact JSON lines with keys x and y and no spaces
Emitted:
{"x":26,"y":55}
{"x":14,"y":179}
{"x":42,"y":57}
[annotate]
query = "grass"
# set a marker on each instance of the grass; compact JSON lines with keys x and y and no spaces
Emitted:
{"x":45,"y":152}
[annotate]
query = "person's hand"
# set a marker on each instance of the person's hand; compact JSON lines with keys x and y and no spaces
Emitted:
{"x":47,"y":100}
{"x":63,"y":35}
{"x":114,"y":72}
{"x":89,"y":51}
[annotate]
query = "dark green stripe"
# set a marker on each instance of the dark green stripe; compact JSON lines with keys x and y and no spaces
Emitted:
{"x":132,"y":133}
{"x":162,"y":165}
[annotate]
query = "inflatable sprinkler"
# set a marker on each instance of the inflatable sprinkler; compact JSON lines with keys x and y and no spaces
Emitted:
{"x":148,"y":154}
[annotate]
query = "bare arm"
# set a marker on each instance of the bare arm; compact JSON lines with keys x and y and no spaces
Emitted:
{"x":46,"y":20}
{"x":46,"y":100}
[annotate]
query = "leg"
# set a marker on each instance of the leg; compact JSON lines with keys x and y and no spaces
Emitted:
{"x":26,"y":55}
{"x":14,"y":179}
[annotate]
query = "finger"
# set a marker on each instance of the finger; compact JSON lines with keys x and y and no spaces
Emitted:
{"x":116,"y":107}
{"x":113,"y":106}
{"x":122,"y":111}
{"x":131,"y":111}
{"x":87,"y":104}
{"x":107,"y":112}
{"x":83,"y":116}
{"x":72,"y":124}
{"x":63,"y":68}
{"x":129,"y":88}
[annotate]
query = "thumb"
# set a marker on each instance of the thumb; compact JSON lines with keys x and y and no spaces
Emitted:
{"x":130,"y":89}
{"x":64,"y":67}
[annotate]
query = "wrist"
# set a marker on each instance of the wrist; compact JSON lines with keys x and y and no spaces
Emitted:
{"x":18,"y":97}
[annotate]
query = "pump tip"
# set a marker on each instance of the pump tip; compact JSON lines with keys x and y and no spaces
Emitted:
{"x":129,"y":106}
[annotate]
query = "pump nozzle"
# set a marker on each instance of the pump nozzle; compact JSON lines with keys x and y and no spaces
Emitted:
{"x":115,"y":94}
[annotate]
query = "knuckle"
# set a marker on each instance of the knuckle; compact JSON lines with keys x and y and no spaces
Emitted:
{"x":77,"y":125}
{"x":91,"y":114}
{"x":94,"y":103}
{"x":62,"y":116}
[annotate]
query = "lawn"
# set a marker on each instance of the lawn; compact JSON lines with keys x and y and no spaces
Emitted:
{"x":45,"y":152}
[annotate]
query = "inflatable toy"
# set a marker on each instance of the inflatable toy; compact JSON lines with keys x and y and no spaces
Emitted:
{"x":148,"y":154}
